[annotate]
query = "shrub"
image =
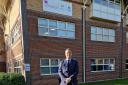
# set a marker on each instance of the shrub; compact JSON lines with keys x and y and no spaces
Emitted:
{"x":11,"y":79}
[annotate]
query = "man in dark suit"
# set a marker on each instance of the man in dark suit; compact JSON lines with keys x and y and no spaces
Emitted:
{"x":68,"y":69}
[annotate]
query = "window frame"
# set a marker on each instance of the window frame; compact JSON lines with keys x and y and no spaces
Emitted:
{"x":49,"y":66}
{"x":19,"y":66}
{"x":9,"y":66}
{"x":107,"y":14}
{"x":102,"y":34}
{"x":16,"y":32}
{"x":96,"y":59}
{"x":57,"y":28}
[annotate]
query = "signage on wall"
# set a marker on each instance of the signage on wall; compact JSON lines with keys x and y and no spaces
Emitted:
{"x":27,"y":67}
{"x":58,"y":6}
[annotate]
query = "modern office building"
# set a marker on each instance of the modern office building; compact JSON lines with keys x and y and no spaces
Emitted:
{"x":37,"y":32}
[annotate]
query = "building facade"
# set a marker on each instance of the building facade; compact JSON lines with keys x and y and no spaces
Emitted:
{"x":38,"y":32}
{"x":14,"y":39}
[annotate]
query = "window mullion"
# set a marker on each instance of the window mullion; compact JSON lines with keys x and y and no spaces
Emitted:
{"x":50,"y":66}
{"x":48,"y":28}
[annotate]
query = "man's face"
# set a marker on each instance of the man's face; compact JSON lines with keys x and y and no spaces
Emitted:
{"x":68,"y":54}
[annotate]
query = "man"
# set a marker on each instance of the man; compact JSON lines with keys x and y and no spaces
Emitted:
{"x":68,"y":69}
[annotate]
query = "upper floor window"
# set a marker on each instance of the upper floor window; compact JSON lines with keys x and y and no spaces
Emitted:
{"x":105,"y":64}
{"x":54,"y":28}
{"x":107,"y":9}
{"x":16,"y":31}
{"x":102,"y":34}
{"x":49,"y":66}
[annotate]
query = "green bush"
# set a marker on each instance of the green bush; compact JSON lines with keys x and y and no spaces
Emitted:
{"x":11,"y":79}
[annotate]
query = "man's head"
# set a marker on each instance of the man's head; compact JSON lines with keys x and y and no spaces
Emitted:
{"x":68,"y":53}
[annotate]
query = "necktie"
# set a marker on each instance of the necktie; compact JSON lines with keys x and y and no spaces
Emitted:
{"x":68,"y":65}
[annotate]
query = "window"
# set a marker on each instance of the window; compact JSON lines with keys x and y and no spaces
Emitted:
{"x":102,"y":65}
{"x":102,"y":34}
{"x":126,"y":37}
{"x":49,"y":66}
{"x":9,"y":66}
{"x":55,"y":28}
{"x":127,"y":18}
{"x":107,"y":9}
{"x":126,"y":64}
{"x":17,"y":67}
{"x":15,"y":33}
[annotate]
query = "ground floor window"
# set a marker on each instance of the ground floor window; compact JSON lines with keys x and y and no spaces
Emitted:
{"x":126,"y":64}
{"x":106,"y":64}
{"x":9,"y":67}
{"x":17,"y":67}
{"x":49,"y":66}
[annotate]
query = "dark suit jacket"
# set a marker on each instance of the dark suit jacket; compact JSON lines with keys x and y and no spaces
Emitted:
{"x":66,"y":72}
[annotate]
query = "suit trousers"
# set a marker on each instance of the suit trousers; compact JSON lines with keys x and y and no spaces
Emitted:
{"x":70,"y":83}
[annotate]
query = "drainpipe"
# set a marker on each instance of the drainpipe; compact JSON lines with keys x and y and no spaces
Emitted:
{"x":122,"y":29}
{"x":84,"y":39}
{"x":25,"y":39}
{"x":121,"y":45}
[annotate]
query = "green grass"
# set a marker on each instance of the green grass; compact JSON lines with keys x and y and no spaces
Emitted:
{"x":110,"y":82}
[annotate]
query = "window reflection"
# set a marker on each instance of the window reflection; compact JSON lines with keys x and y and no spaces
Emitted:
{"x":55,"y":28}
{"x":107,"y":9}
{"x":102,"y":34}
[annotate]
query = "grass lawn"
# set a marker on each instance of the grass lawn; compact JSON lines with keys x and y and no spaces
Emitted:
{"x":110,"y":82}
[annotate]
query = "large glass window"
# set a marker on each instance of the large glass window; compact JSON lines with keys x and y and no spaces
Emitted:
{"x":49,"y":66}
{"x":107,"y":9}
{"x":102,"y":34}
{"x":55,"y":28}
{"x":106,"y":64}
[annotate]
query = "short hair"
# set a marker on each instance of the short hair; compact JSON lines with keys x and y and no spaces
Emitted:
{"x":68,"y":49}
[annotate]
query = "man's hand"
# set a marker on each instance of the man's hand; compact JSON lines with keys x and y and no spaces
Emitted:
{"x":68,"y":80}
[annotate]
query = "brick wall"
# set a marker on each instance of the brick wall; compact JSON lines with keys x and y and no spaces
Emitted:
{"x":51,"y":47}
{"x":97,"y":49}
{"x":125,"y":54}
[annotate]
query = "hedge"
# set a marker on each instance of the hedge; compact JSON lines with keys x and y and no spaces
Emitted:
{"x":11,"y":79}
